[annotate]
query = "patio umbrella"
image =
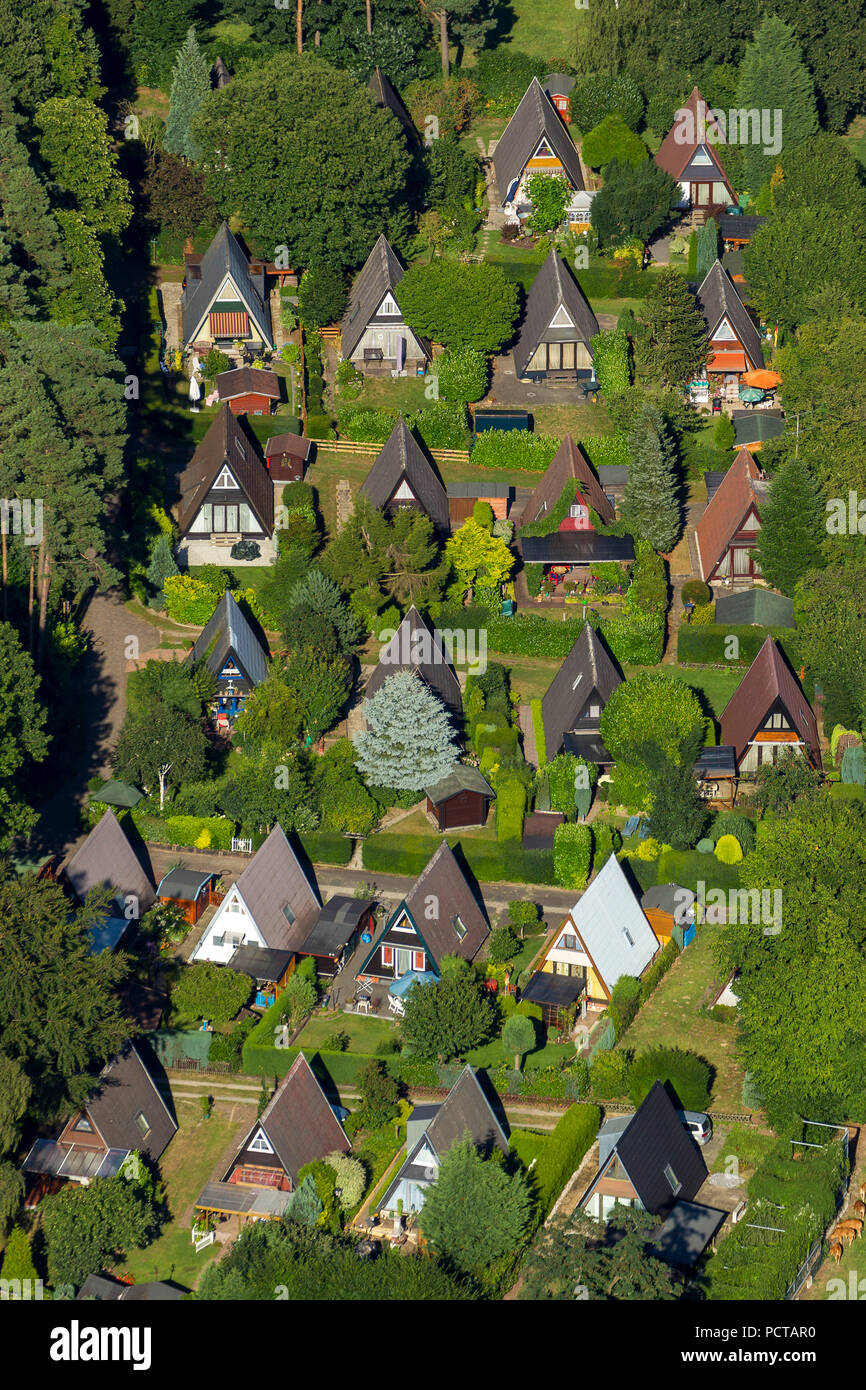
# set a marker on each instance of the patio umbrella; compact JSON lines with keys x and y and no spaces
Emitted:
{"x":751,"y":395}
{"x":405,"y":982}
{"x":194,"y":393}
{"x":762,"y":378}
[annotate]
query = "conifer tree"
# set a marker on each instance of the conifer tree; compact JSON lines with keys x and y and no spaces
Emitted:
{"x":708,"y":247}
{"x":17,"y":1260}
{"x":773,"y":77}
{"x":190,"y":85}
{"x":162,"y":566}
{"x":793,"y":525}
{"x":651,"y":503}
{"x":408,"y":743}
{"x":676,"y":333}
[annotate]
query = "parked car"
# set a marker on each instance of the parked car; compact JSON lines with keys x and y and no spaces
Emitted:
{"x":699,"y":1125}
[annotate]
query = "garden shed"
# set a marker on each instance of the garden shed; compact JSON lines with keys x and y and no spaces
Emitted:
{"x":460,"y":799}
{"x":189,"y":890}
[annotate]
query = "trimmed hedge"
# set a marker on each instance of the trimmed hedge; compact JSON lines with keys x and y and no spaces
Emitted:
{"x":687,"y":1073}
{"x":491,"y":863}
{"x":607,"y":450}
{"x":518,"y":449}
{"x":572,"y":855}
{"x":186,"y":832}
{"x":562,"y":1155}
{"x":510,"y":808}
{"x":706,"y":644}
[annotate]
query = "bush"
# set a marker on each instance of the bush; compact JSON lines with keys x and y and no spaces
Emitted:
{"x":503,"y":946}
{"x":657,"y":971}
{"x":572,"y":855}
{"x":705,"y":846}
{"x":534,"y":575}
{"x":517,"y":449}
{"x":185,"y":831}
{"x":686,"y":1073}
{"x":319,"y":426}
{"x":607,"y":450}
{"x":523,"y":915}
{"x":442,"y":425}
{"x":606,"y":840}
{"x":728,"y":850}
{"x":562,"y":1155}
{"x":463,"y":374}
{"x":608,"y":1075}
{"x":210,"y":991}
{"x":732,"y":823}
{"x":510,"y":806}
{"x":696,"y":591}
{"x":625,"y":1001}
{"x":595,"y":96}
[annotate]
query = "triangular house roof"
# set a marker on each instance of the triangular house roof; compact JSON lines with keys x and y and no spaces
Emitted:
{"x":298,"y":1122}
{"x":414,"y":647}
{"x":553,"y":289}
{"x":740,"y":490}
{"x":769,"y":678}
{"x":717,"y":299}
{"x":226,"y":444}
{"x":439,"y":896}
{"x":588,"y":667}
{"x":648,"y":1142}
{"x":465,"y":1109}
{"x":224,"y":260}
{"x":107,"y":858}
{"x":569,"y":462}
{"x":229,"y":633}
{"x":385,"y":95}
{"x":535,"y":119}
{"x":686,"y":137}
{"x":277,"y":894}
{"x":126,"y":1089}
{"x":402,"y":458}
{"x":612,"y":928}
{"x":380,"y":274}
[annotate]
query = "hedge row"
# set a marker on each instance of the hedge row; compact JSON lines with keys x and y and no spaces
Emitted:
{"x":186,"y":832}
{"x":562,"y":1155}
{"x":510,"y":808}
{"x":490,"y":863}
{"x":709,"y":644}
{"x":607,"y":450}
{"x":519,"y":449}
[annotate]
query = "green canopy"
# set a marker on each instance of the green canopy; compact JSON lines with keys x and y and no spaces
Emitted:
{"x":117,"y":794}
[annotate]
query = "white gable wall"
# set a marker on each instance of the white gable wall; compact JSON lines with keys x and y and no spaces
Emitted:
{"x":231,"y":919}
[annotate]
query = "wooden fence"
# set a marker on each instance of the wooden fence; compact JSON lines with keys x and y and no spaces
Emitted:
{"x":357,"y":446}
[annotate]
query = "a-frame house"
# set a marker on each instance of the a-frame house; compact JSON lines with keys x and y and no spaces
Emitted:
{"x":414,"y":647}
{"x":690,"y":154}
{"x":225,"y":298}
{"x":374,"y":334}
{"x":734,"y":343}
{"x":403,"y":476}
{"x":728,"y":529}
{"x":572,"y":707}
{"x":233,"y":653}
{"x":385,"y":95}
{"x":440,"y":916}
{"x":768,"y":715}
{"x":554,"y":342}
{"x":536,"y":141}
{"x":569,"y":466}
{"x":226,"y":495}
{"x":107,"y":860}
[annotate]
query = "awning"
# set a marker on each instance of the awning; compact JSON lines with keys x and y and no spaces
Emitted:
{"x":229,"y":325}
{"x":414,"y":977}
{"x":727,"y":362}
{"x":762,"y":378}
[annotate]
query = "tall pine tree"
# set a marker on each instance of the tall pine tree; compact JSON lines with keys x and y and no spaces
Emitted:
{"x":773,"y":78}
{"x":190,"y":85}
{"x":408,"y":743}
{"x":676,"y":333}
{"x":708,"y":247}
{"x":793,"y":525}
{"x":651,"y":503}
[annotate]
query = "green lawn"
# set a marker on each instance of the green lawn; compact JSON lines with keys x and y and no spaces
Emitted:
{"x":672,"y":1017}
{"x":748,"y":1144}
{"x":186,"y":1165}
{"x":364,"y":1033}
{"x":494,"y":1053}
{"x":717,"y":684}
{"x":543,"y":28}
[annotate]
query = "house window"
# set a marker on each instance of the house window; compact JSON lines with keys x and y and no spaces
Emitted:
{"x":82,"y":1125}
{"x":260,"y":1144}
{"x":628,"y":936}
{"x":578,"y":512}
{"x":218,"y":940}
{"x":225,"y":479}
{"x":459,"y":927}
{"x":594,"y":711}
{"x":568,"y":942}
{"x":142,"y":1121}
{"x":418,"y":960}
{"x":672,"y":1178}
{"x":288,"y":914}
{"x":389,"y":305}
{"x":241,"y":449}
{"x":388,"y":955}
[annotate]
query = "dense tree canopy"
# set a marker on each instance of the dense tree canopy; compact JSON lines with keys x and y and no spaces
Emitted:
{"x":460,"y":305}
{"x":475,"y":1212}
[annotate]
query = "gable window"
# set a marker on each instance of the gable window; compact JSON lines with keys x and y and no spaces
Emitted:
{"x":82,"y":1125}
{"x":260,"y":1144}
{"x":225,"y":479}
{"x":562,"y":318}
{"x":594,"y":711}
{"x":701,"y":156}
{"x":142,"y":1121}
{"x":673,"y":1180}
{"x":389,"y":305}
{"x":578,"y":512}
{"x":568,"y":942}
{"x":459,"y":927}
{"x":388,"y":955}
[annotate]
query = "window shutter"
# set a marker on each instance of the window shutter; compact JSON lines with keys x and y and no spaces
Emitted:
{"x":417,"y":960}
{"x":387,"y":955}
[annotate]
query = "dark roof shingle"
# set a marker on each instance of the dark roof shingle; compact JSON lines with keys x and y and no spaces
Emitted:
{"x":553,"y":287}
{"x":226,"y":443}
{"x":569,"y":462}
{"x":769,"y":678}
{"x":414,"y":647}
{"x":126,"y":1090}
{"x":228,"y":630}
{"x":299,"y":1121}
{"x":717,"y":299}
{"x":444,"y":883}
{"x":402,"y":456}
{"x":380,"y":274}
{"x":107,"y":858}
{"x":224,"y":257}
{"x":535,"y":118}
{"x":588,"y":667}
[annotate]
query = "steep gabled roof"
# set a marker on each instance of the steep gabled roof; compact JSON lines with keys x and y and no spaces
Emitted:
{"x":246,"y":381}
{"x":615,"y":933}
{"x":769,"y":678}
{"x":107,"y":858}
{"x":400,"y":455}
{"x":226,"y":443}
{"x":223,"y":257}
{"x":676,"y":151}
{"x":299,"y":1122}
{"x":228,"y":630}
{"x":385,"y":95}
{"x":272,"y":881}
{"x":415,"y":648}
{"x":727,"y":509}
{"x":443,"y":884}
{"x":588,"y":666}
{"x":380,"y":274}
{"x":466,"y":1107}
{"x":717,"y":298}
{"x":553,"y":286}
{"x":536,"y":118}
{"x":126,"y":1089}
{"x":654,"y":1139}
{"x":569,"y":461}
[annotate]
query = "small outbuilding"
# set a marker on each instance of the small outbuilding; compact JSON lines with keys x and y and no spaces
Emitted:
{"x":460,"y":799}
{"x":342,"y":922}
{"x":189,"y":890}
{"x":286,"y":456}
{"x":249,"y":390}
{"x":269,"y":970}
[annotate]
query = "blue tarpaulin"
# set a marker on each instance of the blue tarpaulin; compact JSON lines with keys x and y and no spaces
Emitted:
{"x":413,"y":977}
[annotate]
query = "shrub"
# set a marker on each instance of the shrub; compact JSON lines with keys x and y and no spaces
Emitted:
{"x":518,"y":449}
{"x":608,"y":1074}
{"x":463,"y":374}
{"x":572,"y":855}
{"x":853,"y":769}
{"x":595,"y":96}
{"x":442,"y":425}
{"x":728,"y":850}
{"x":705,"y":846}
{"x":523,"y":915}
{"x":337,"y":1042}
{"x":696,"y":591}
{"x":685,"y":1072}
{"x":606,"y":840}
{"x":350,"y":1178}
{"x":732,"y":823}
{"x":625,"y":1001}
{"x":186,"y":831}
{"x":610,"y":360}
{"x":607,"y":450}
{"x":561,"y":1156}
{"x":210,"y":991}
{"x":319,"y":426}
{"x":214,"y":363}
{"x":503,"y":946}
{"x":534,"y":575}
{"x":365,"y":425}
{"x":703,"y":615}
{"x":709,"y":645}
{"x":491,"y":863}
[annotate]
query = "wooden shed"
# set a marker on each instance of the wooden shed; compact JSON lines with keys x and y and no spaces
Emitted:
{"x":249,"y":390}
{"x":190,"y":890}
{"x":286,"y":456}
{"x":460,"y":799}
